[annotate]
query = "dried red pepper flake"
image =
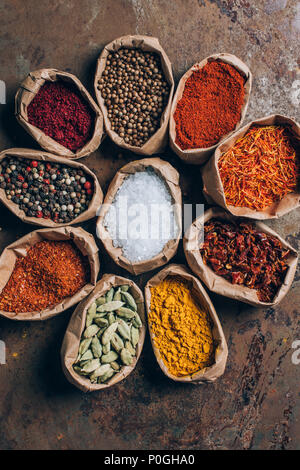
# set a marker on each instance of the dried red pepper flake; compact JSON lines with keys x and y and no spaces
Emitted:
{"x":243,"y":255}
{"x":61,"y":112}
{"x":50,"y":272}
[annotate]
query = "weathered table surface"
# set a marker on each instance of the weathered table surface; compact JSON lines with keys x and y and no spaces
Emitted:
{"x":255,"y":405}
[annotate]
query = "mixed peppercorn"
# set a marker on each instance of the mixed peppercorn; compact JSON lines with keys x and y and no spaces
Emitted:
{"x":135,"y":93}
{"x":50,"y":272}
{"x":45,"y":189}
{"x":245,"y":256}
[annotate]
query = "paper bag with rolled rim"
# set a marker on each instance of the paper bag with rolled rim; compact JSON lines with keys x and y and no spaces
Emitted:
{"x":220,"y":285}
{"x":208,"y":374}
{"x":85,"y":243}
{"x":70,"y":346}
{"x":158,"y":141}
{"x":171,"y":178}
{"x":213,"y":187}
{"x":47,"y":157}
{"x":201,"y":155}
{"x":25,"y":94}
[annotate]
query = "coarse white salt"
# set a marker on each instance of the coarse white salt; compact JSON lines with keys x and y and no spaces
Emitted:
{"x":141,"y":218}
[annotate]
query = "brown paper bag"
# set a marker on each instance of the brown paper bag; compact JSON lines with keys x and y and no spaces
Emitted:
{"x":25,"y":94}
{"x":47,"y":157}
{"x":85,"y":243}
{"x":171,"y":178}
{"x":158,"y":141}
{"x":200,"y":156}
{"x":70,"y":346}
{"x":208,"y":374}
{"x":213,"y":187}
{"x":217,"y":283}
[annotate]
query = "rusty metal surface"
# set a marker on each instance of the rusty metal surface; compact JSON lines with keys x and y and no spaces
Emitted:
{"x":255,"y":405}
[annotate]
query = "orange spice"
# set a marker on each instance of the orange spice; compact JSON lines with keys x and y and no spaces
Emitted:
{"x":50,"y":272}
{"x":260,"y":169}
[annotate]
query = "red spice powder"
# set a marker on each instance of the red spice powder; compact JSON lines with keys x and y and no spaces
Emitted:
{"x":210,"y":106}
{"x":50,"y":272}
{"x":60,"y":111}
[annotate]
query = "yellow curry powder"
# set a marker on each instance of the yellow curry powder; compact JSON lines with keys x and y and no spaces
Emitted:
{"x":182,"y":330}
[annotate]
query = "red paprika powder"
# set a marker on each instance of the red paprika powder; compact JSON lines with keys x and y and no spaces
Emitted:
{"x":210,"y":106}
{"x":50,"y":272}
{"x":60,"y":111}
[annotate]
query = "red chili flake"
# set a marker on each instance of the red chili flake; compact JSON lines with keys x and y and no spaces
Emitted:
{"x":39,"y":214}
{"x":50,"y":272}
{"x":28,"y":169}
{"x":25,"y":185}
{"x":20,"y":178}
{"x":61,"y":112}
{"x":243,"y":255}
{"x":46,"y":181}
{"x":34,"y":163}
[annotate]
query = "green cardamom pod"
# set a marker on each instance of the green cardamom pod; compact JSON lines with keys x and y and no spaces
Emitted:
{"x":84,"y":346}
{"x":91,"y":330}
{"x":136,"y":321}
{"x":124,"y":288}
{"x":77,"y":369}
{"x":106,"y":348}
{"x":101,"y":322}
{"x":101,"y":300}
{"x":87,"y":355}
{"x":100,"y":371}
{"x":126,"y":357}
{"x":90,"y":366}
{"x":96,"y":347}
{"x":101,"y":331}
{"x":107,"y":335}
{"x":106,"y":377}
{"x":115,"y":365}
{"x":111,"y":318}
{"x":117,"y":342}
{"x":110,"y":294}
{"x":123,"y":329}
{"x":135,"y":336}
{"x":109,"y":357}
{"x":100,"y":315}
{"x":130,"y":348}
{"x":117,"y":296}
{"x":110,"y":306}
{"x":125,"y":312}
{"x":129,"y":300}
{"x":89,"y":320}
{"x":92,"y":309}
